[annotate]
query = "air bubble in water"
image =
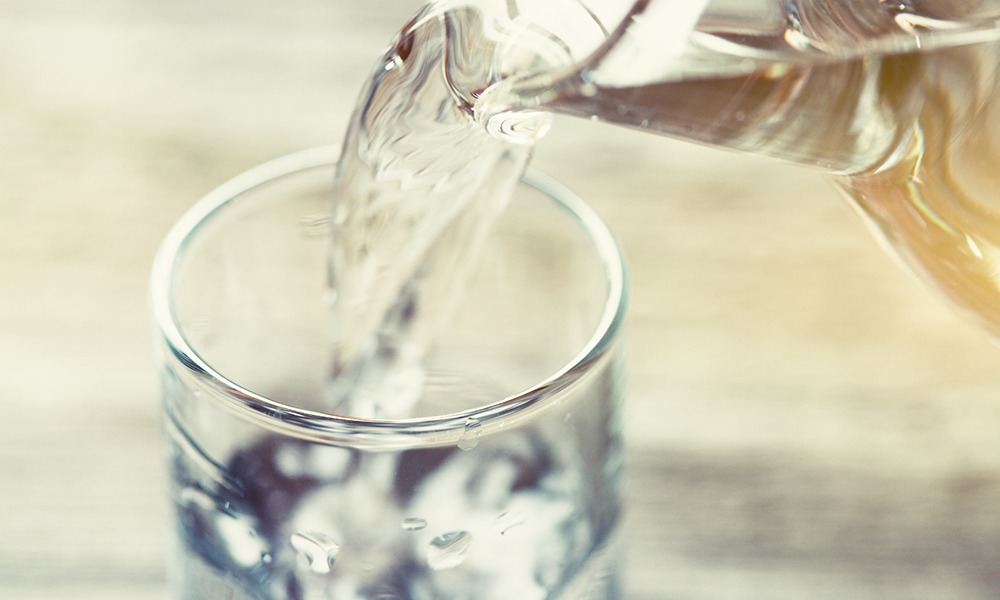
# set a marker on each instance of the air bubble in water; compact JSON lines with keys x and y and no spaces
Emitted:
{"x":317,"y":549}
{"x":448,"y":550}
{"x":470,"y":437}
{"x":414,"y":523}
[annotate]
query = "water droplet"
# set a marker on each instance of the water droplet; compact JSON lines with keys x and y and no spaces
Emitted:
{"x":317,"y":549}
{"x":507,"y":521}
{"x":414,"y":523}
{"x":448,"y":550}
{"x":470,"y":437}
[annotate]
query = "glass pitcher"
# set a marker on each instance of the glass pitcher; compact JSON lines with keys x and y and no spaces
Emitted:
{"x":899,"y":101}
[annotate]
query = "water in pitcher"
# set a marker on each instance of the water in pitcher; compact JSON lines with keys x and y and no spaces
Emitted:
{"x":899,"y":101}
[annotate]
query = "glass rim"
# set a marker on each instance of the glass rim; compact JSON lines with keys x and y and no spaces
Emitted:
{"x":325,"y":427}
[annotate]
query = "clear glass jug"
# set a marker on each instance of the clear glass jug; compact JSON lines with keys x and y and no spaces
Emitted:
{"x":898,"y":100}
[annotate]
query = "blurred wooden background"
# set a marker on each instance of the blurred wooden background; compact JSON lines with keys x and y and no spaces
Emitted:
{"x":805,"y":420}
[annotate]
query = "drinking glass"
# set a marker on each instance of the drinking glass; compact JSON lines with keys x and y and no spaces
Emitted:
{"x":505,"y":480}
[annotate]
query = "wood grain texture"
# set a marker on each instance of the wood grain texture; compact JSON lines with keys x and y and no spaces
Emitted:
{"x":804,"y":421}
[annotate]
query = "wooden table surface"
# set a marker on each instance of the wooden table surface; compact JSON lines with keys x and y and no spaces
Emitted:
{"x":805,"y":420}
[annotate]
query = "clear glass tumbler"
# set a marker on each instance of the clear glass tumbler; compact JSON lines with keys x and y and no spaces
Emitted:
{"x":507,"y":486}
